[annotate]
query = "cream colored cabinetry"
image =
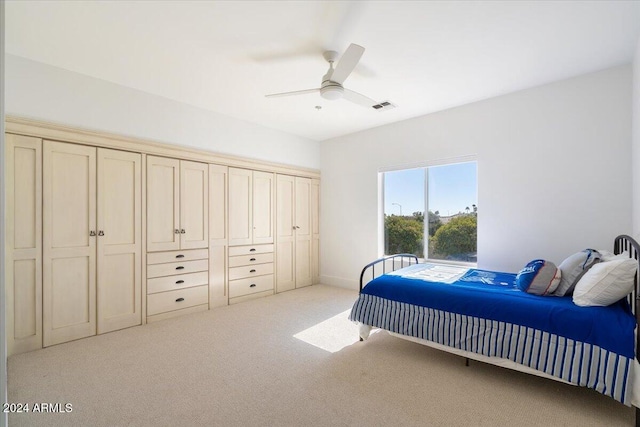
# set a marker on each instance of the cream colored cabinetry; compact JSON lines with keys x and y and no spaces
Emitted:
{"x":177,"y":204}
{"x":296,"y":248}
{"x":250,"y":272}
{"x":218,"y":292}
{"x":23,"y":275}
{"x":82,"y":214}
{"x":251,"y":207}
{"x":177,"y":283}
{"x":78,"y":237}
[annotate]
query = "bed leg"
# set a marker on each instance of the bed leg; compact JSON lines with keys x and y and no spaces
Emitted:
{"x":466,"y":363}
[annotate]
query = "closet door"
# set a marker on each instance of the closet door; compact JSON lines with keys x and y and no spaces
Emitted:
{"x":23,"y":243}
{"x":194,"y":205}
{"x":285,"y":237}
{"x":69,"y":242}
{"x":240,"y":207}
{"x":218,"y":294}
{"x":315,"y":231}
{"x":303,"y":232}
{"x":119,"y":240}
{"x":263,"y":207}
{"x":163,"y":204}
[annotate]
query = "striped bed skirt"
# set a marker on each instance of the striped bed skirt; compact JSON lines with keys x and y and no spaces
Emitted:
{"x":575,"y":362}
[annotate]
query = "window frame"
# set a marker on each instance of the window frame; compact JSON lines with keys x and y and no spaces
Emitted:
{"x":425,"y":166}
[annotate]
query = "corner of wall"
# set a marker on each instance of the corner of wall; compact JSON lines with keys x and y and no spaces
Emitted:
{"x":635,"y":144}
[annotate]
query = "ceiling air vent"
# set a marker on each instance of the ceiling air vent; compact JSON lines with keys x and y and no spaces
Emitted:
{"x":384,"y":105}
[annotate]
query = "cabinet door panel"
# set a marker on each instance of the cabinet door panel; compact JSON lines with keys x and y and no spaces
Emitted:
{"x":315,"y":230}
{"x":285,"y":232}
{"x":263,"y":207}
{"x":69,"y":215}
{"x":303,"y":232}
{"x":240,"y":207}
{"x":194,"y":205}
{"x":218,"y":204}
{"x":26,"y":294}
{"x":23,"y":275}
{"x":119,"y":240}
{"x":163,"y":207}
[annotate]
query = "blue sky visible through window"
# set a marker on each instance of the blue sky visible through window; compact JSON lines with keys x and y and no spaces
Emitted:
{"x":452,"y":188}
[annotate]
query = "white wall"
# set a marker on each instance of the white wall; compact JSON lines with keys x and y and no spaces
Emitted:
{"x":39,"y":91}
{"x":554,"y":173}
{"x":635,"y":156}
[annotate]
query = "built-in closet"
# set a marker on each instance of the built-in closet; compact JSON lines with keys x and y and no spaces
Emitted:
{"x":107,"y":232}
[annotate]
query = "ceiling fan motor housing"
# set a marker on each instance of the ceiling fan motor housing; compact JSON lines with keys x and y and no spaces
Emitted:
{"x":331,"y":90}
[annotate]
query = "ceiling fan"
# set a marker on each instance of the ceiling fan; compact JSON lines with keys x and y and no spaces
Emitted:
{"x":331,"y":87}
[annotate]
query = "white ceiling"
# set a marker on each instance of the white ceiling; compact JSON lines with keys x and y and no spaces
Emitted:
{"x":224,"y":56}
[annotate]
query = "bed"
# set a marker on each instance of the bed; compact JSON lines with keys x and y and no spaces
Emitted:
{"x":483,"y":315}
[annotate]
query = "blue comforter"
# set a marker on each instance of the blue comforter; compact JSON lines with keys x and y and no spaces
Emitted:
{"x":494,"y":296}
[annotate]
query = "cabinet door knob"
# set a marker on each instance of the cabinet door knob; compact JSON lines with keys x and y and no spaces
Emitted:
{"x":180,"y":300}
{"x":176,"y":231}
{"x":180,"y":256}
{"x":100,"y":233}
{"x":252,"y":250}
{"x":92,"y":233}
{"x":252,"y":259}
{"x":253,"y":285}
{"x":179,"y":282}
{"x":182,"y":231}
{"x":252,"y":271}
{"x":180,"y":268}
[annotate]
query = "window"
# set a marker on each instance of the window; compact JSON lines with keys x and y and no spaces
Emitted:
{"x":449,"y":197}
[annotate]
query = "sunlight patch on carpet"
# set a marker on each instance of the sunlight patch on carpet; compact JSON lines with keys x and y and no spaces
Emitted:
{"x":331,"y":335}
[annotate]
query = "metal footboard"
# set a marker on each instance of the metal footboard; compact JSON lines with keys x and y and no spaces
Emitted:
{"x":396,"y":262}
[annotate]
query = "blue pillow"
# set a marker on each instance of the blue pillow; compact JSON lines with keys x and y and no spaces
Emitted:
{"x":539,"y":277}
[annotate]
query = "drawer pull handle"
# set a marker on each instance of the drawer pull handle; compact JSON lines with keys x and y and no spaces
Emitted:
{"x":180,"y":300}
{"x":180,"y":268}
{"x":180,"y":256}
{"x":253,"y":285}
{"x":252,"y":259}
{"x":179,"y":282}
{"x":252,"y":271}
{"x":252,"y":250}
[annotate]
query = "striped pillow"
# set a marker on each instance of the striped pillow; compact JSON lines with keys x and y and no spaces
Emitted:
{"x":539,"y":277}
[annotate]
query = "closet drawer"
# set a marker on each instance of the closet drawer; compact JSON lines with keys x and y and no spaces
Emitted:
{"x":175,"y":300}
{"x":180,"y":281}
{"x":249,"y":286}
{"x":250,"y":249}
{"x":240,"y":260}
{"x":173,"y":268}
{"x":250,"y":271}
{"x":173,"y":256}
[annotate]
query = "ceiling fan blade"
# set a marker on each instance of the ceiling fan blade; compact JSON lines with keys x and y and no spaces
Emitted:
{"x":347,"y":63}
{"x":358,"y":98}
{"x":296,"y":92}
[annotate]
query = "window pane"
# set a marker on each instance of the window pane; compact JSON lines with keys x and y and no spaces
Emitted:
{"x":403,"y":212}
{"x":452,"y":202}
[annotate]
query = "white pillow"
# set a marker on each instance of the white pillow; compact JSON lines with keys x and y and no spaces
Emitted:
{"x":606,"y":282}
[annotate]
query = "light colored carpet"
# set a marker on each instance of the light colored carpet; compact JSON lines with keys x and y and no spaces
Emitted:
{"x":287,"y":360}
